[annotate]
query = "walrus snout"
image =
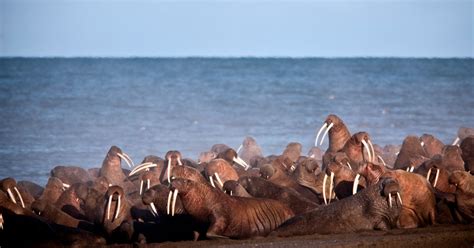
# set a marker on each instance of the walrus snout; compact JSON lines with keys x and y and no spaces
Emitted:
{"x":8,"y":185}
{"x":391,"y":190}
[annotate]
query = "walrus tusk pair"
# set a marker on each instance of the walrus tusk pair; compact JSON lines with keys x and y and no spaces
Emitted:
{"x":410,"y":168}
{"x":436,"y":177}
{"x":390,"y":199}
{"x":141,"y":185}
{"x":117,"y":207}
{"x":241,"y":162}
{"x":127,"y":159}
{"x":370,"y":149}
{"x":326,"y":201}
{"x":172,"y":201}
{"x":218,"y":180}
{"x":10,"y":194}
{"x":325,"y":126}
{"x":141,"y":167}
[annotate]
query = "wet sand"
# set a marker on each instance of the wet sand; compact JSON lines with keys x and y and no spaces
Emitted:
{"x":435,"y":236}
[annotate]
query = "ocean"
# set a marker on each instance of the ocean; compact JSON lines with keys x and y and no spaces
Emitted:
{"x":69,"y":111}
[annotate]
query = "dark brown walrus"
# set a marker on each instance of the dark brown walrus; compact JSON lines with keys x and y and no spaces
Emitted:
{"x":376,"y":207}
{"x":232,"y":217}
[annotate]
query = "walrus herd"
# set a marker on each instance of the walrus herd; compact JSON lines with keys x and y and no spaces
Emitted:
{"x":355,"y":185}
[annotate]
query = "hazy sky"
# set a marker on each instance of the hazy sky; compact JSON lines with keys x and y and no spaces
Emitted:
{"x":419,"y":28}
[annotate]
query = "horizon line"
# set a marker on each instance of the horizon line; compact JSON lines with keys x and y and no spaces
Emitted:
{"x":231,"y":57}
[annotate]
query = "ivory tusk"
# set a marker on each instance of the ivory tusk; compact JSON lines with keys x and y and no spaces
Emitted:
{"x":218,"y":179}
{"x":179,"y":161}
{"x":173,"y":205}
{"x":231,"y":193}
{"x":330,"y":186}
{"x":147,"y":183}
{"x":390,"y":200}
{"x":371,"y":149}
{"x":141,"y":167}
{"x":436,"y":178}
{"x":319,"y":132}
{"x":356,"y":184}
{"x":169,"y":203}
{"x":117,"y":209}
{"x":428,"y":175}
{"x":348,"y":164}
{"x":326,"y":132}
{"x":108,"y":207}
{"x":324,"y":188}
{"x":1,"y":221}
{"x":141,"y":187}
{"x":124,"y":159}
{"x":366,"y":146}
{"x":169,"y":171}
{"x":412,"y":168}
{"x":240,"y":148}
{"x":456,"y":141}
{"x":399,"y":198}
{"x":19,"y":196}
{"x":152,"y":205}
{"x":128,"y":158}
{"x":381,"y":159}
{"x":65,"y":185}
{"x":212,"y":182}
{"x":241,"y":162}
{"x":11,"y":195}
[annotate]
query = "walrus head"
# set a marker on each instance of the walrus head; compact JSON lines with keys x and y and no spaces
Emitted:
{"x":114,"y":197}
{"x":391,"y":189}
{"x":338,"y":133}
{"x":230,"y":155}
{"x":8,"y":185}
{"x":463,"y":181}
{"x":154,"y":199}
{"x":362,"y":139}
{"x":115,"y":153}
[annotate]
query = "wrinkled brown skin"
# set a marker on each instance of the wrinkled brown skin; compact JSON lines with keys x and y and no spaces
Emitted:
{"x":112,"y":168}
{"x":32,"y":188}
{"x":69,"y":201}
{"x":285,"y":164}
{"x":278,"y":177}
{"x":251,"y":151}
{"x":389,"y":154}
{"x":261,"y":188}
{"x":120,"y":229}
{"x":432,"y":145}
{"x":410,"y":151}
{"x":306,"y":171}
{"x":6,"y":203}
{"x":354,"y":149}
{"x":206,"y":157}
{"x":464,"y":193}
{"x":436,"y":163}
{"x":232,"y":217}
{"x":71,"y":174}
{"x":233,"y":188}
{"x":219,"y":148}
{"x":344,"y":179}
{"x":338,"y":135}
{"x":452,"y":159}
{"x":316,"y":153}
{"x":419,"y":203}
{"x":467,"y":148}
{"x":293,"y":151}
{"x":187,"y":172}
{"x":367,"y":210}
{"x":225,"y":171}
{"x":52,"y":190}
{"x":158,"y":194}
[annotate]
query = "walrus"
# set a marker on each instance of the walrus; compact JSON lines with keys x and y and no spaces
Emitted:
{"x":71,"y":174}
{"x":467,"y":148}
{"x":306,"y":172}
{"x":464,"y":183}
{"x":359,"y":149}
{"x":419,"y":203}
{"x":112,"y":169}
{"x":234,"y":188}
{"x":346,"y":181}
{"x":219,"y":148}
{"x":231,"y":156}
{"x":219,"y":171}
{"x":32,"y":188}
{"x":8,"y":186}
{"x":376,"y":207}
{"x":229,"y":216}
{"x":411,"y":149}
{"x":250,"y":151}
{"x":261,"y":188}
{"x":463,"y":132}
{"x":53,"y":190}
{"x":293,"y":151}
{"x":338,"y":133}
{"x":452,"y":158}
{"x":431,"y":145}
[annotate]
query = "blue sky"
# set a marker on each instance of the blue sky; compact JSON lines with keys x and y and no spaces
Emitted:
{"x":422,"y":28}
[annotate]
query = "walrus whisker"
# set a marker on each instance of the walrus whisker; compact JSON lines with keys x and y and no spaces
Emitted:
{"x":11,"y":195}
{"x":153,"y":208}
{"x":117,"y":208}
{"x":141,"y":187}
{"x":218,"y":179}
{"x":124,"y":159}
{"x":170,"y":194}
{"x":436,"y":178}
{"x":108,"y":207}
{"x":331,"y":186}
{"x":456,"y":141}
{"x":173,"y":205}
{"x":319,"y":132}
{"x":326,"y":132}
{"x":390,"y":200}
{"x":212,"y":182}
{"x":169,"y":171}
{"x":19,"y":196}
{"x":371,"y":149}
{"x":141,"y":167}
{"x":324,"y":188}
{"x":366,"y":146}
{"x":356,"y":183}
